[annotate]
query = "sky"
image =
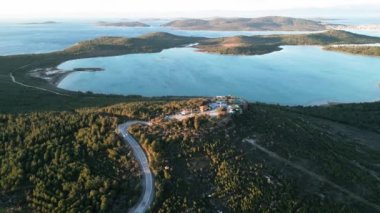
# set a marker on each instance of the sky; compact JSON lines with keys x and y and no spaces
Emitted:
{"x":30,"y":9}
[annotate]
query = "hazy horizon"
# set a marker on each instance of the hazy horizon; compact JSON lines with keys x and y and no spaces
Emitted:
{"x":71,"y":9}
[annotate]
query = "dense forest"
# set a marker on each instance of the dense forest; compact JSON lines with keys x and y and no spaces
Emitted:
{"x":74,"y":161}
{"x":65,"y":162}
{"x":201,"y":166}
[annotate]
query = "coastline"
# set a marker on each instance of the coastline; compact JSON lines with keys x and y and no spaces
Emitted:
{"x":54,"y":75}
{"x":35,"y":69}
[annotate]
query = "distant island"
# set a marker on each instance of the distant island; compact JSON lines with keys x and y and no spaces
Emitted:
{"x":270,"y":23}
{"x":45,"y":22}
{"x":122,"y":24}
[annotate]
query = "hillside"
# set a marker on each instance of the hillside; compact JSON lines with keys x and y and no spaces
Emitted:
{"x":357,"y":50}
{"x":152,"y":42}
{"x":326,"y":38}
{"x":270,"y":23}
{"x":122,"y":24}
{"x":211,"y":168}
{"x":257,"y":45}
{"x":199,"y":163}
{"x":65,"y":162}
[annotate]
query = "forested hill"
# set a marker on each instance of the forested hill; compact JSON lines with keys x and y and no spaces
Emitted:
{"x":74,"y":161}
{"x":65,"y":162}
{"x":270,"y":23}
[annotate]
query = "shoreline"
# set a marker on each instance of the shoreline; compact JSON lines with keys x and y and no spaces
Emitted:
{"x":54,"y":81}
{"x":55,"y":75}
{"x":57,"y":78}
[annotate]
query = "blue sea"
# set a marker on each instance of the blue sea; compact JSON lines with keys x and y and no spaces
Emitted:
{"x":297,"y":75}
{"x":22,"y":38}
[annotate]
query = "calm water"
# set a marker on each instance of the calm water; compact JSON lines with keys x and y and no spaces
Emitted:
{"x":297,"y":75}
{"x":18,"y":38}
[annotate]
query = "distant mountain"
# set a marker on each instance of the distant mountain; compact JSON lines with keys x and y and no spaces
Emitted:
{"x":269,"y":23}
{"x":122,"y":24}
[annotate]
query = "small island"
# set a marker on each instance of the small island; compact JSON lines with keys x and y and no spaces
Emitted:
{"x":122,"y":24}
{"x":45,"y":22}
{"x":270,"y":23}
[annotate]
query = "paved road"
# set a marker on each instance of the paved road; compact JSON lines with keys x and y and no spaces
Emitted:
{"x":148,"y":186}
{"x":312,"y":174}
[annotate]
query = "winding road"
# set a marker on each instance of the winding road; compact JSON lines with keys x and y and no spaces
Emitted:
{"x":148,"y":185}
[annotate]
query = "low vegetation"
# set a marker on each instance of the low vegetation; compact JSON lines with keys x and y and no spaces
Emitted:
{"x":257,"y":45}
{"x":357,"y":50}
{"x":364,"y":116}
